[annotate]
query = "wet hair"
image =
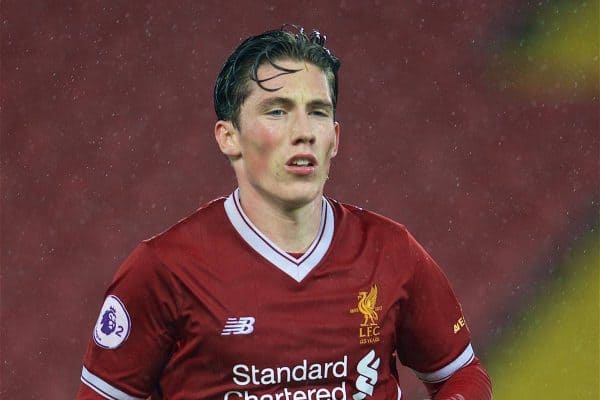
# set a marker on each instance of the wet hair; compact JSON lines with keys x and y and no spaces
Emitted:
{"x":288,"y":43}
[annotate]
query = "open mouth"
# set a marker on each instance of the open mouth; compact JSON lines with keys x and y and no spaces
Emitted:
{"x":302,"y":161}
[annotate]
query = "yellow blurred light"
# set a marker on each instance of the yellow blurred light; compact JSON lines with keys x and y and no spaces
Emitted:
{"x":554,"y":351}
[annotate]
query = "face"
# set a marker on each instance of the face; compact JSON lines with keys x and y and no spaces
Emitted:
{"x":282,"y":150}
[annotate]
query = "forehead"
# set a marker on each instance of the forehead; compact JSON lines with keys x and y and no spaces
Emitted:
{"x":308,"y":82}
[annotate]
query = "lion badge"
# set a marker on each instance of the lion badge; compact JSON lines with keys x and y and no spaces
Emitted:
{"x":113,"y":325}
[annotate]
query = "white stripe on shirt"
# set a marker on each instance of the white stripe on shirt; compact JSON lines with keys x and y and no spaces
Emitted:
{"x":104,"y":389}
{"x":444,"y":373}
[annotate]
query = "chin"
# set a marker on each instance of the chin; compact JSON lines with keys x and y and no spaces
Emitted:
{"x":302,"y":195}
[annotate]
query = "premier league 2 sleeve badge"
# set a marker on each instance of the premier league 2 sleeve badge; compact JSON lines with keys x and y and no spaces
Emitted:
{"x":113,"y":325}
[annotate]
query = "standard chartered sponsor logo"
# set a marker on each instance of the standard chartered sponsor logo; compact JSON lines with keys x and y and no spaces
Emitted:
{"x":304,"y":372}
{"x":301,"y":376}
{"x":337,"y":393}
{"x":249,"y":374}
{"x":367,"y":375}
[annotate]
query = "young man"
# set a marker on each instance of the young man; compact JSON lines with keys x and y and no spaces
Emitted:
{"x":276,"y":292}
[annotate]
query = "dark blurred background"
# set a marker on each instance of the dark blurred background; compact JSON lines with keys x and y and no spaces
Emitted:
{"x":474,"y":123}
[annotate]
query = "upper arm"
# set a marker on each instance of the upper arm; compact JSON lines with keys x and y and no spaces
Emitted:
{"x":433,"y":339}
{"x":134,"y":333}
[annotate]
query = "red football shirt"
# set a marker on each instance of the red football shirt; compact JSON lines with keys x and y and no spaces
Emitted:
{"x":212,"y":309}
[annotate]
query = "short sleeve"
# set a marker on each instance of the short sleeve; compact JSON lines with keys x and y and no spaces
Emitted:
{"x":135,"y":330}
{"x":433,"y":338}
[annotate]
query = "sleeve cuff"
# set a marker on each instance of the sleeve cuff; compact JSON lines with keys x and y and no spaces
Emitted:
{"x":103,"y":388}
{"x":445,"y":372}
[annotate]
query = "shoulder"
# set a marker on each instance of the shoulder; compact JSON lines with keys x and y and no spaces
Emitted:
{"x":354,"y":216}
{"x":361,"y":227}
{"x":194,"y":227}
{"x":191,"y":237}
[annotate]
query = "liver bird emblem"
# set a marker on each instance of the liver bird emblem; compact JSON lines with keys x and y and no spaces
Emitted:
{"x":366,"y":306}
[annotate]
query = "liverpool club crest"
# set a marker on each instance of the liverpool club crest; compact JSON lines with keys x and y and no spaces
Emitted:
{"x":369,"y":330}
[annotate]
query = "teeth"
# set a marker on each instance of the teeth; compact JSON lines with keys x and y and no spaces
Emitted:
{"x":301,"y":163}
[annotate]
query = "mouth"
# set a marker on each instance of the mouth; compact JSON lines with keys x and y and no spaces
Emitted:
{"x":302,"y":160}
{"x":302,"y":164}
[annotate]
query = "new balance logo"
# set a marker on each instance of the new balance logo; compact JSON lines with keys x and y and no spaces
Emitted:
{"x":367,"y":376}
{"x":239,"y":326}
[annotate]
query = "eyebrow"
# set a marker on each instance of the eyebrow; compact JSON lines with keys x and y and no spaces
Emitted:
{"x":321,"y":104}
{"x":289,"y":103}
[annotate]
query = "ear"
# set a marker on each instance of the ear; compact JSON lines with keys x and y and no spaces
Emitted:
{"x":334,"y":149}
{"x":227,"y":137}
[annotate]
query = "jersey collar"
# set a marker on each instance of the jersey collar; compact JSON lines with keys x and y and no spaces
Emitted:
{"x":296,"y":268}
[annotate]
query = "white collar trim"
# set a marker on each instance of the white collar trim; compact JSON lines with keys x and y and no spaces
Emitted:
{"x":296,"y":268}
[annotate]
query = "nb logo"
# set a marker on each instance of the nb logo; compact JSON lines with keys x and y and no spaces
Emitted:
{"x":239,"y":326}
{"x":367,"y":375}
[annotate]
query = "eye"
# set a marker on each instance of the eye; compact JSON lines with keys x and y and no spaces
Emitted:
{"x":276,"y":112}
{"x":320,"y":113}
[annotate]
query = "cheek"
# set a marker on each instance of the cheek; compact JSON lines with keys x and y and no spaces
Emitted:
{"x":329,"y":147}
{"x":258,"y":164}
{"x":260,"y":149}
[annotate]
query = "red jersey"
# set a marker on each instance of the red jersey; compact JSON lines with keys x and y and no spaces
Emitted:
{"x":212,"y":309}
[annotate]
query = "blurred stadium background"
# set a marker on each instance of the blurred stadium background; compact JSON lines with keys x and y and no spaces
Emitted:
{"x":474,"y":123}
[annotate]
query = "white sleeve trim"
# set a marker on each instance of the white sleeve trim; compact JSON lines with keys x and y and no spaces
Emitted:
{"x":104,"y":389}
{"x":444,"y":373}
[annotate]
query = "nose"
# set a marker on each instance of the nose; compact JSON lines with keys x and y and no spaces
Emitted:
{"x":302,"y":131}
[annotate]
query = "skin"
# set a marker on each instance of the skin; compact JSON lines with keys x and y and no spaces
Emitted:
{"x":295,"y":122}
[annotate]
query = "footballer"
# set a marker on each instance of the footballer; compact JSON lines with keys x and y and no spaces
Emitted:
{"x":277,"y":292}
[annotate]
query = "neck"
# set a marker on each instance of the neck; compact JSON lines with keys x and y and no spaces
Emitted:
{"x":293,"y":229}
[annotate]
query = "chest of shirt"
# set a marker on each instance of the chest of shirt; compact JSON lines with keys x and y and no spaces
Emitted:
{"x":252,"y":311}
